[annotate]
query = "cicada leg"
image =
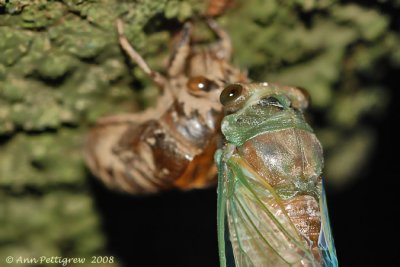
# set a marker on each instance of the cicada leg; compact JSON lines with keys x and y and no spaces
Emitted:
{"x":177,"y":61}
{"x":225,"y":43}
{"x":163,"y":101}
{"x":158,"y":78}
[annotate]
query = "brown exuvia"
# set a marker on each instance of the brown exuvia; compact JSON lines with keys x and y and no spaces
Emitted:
{"x":171,"y":145}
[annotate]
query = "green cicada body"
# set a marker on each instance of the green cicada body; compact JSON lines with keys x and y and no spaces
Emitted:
{"x":270,"y":187}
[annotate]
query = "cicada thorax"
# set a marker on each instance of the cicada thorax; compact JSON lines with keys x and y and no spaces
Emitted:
{"x":172,"y":144}
{"x":291,"y":161}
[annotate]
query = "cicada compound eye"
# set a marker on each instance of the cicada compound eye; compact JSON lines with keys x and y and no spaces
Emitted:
{"x":200,"y":83}
{"x":232,"y":94}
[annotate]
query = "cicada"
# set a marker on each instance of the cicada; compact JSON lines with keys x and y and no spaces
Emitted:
{"x":171,"y":145}
{"x":270,"y":186}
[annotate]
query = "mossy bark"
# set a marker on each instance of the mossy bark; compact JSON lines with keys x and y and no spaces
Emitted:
{"x":61,"y":68}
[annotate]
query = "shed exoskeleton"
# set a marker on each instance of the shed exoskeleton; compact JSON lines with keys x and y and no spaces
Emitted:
{"x":171,"y":145}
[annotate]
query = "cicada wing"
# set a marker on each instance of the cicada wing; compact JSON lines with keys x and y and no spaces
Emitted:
{"x":224,"y":245}
{"x":221,"y":206}
{"x":247,"y":240}
{"x":261,"y":232}
{"x":326,"y":244}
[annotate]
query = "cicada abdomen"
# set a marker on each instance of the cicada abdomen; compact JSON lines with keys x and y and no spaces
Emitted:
{"x":171,"y":145}
{"x":270,"y":186}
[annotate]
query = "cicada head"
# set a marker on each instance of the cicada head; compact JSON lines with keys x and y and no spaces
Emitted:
{"x":206,"y":74}
{"x":253,"y":109}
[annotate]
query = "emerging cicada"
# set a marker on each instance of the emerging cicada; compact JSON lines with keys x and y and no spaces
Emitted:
{"x":270,"y":187}
{"x":171,"y":145}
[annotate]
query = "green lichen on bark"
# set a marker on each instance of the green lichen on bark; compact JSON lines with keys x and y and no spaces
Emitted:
{"x":61,"y":68}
